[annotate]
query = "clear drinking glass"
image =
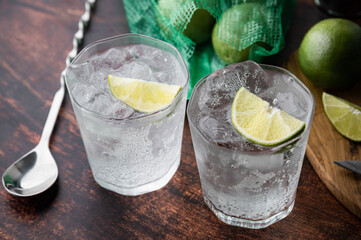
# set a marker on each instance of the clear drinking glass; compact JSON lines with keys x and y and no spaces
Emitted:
{"x":129,"y":152}
{"x":246,"y":184}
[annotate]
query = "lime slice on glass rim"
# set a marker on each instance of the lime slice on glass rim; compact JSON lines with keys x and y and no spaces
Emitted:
{"x":344,"y":116}
{"x":143,"y":96}
{"x":261,"y":123}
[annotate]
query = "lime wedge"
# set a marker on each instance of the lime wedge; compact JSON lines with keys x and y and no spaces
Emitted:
{"x":260,"y":123}
{"x":141,"y":95}
{"x":344,"y":116}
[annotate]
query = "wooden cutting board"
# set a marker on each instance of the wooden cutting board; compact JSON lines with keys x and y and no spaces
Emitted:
{"x":326,"y":145}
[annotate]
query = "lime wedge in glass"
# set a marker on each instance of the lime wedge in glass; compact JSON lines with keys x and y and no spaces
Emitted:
{"x":260,"y":123}
{"x":141,"y":95}
{"x":344,"y":116}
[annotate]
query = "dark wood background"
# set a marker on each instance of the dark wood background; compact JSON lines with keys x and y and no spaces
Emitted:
{"x":35,"y":37}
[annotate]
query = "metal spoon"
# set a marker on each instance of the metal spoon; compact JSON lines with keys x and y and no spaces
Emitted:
{"x":36,"y":171}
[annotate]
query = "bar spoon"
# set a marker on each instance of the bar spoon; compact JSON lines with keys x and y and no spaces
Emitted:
{"x":37,"y":171}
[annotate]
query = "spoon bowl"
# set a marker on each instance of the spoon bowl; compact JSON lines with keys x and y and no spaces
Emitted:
{"x":31,"y":174}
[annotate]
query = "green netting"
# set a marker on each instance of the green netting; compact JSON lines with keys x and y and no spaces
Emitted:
{"x":255,"y":26}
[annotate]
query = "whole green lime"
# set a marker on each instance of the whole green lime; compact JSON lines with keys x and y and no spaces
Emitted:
{"x":227,"y":52}
{"x":237,"y":22}
{"x":330,"y":53}
{"x":198,"y":28}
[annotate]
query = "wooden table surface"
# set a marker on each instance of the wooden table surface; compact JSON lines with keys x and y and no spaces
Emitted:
{"x":34,"y":41}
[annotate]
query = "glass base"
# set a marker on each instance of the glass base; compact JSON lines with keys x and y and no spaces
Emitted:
{"x":246,"y":223}
{"x":146,"y":188}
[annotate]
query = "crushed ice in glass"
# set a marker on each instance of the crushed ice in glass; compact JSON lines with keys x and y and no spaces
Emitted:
{"x":89,"y":79}
{"x":214,"y":98}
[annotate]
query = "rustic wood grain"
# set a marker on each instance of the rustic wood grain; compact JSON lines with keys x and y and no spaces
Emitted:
{"x":326,"y":145}
{"x":34,"y":41}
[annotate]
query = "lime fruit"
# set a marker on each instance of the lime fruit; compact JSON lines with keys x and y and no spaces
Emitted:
{"x":199,"y":27}
{"x":330,"y":53}
{"x":260,"y":123}
{"x":141,"y":95}
{"x":226,"y":52}
{"x":344,"y":116}
{"x":234,"y":24}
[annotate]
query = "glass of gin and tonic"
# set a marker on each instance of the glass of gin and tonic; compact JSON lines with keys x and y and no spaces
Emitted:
{"x":243,"y":183}
{"x":129,"y":152}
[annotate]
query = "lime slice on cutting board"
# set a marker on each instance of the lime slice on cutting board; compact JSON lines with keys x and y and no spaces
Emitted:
{"x":344,"y":116}
{"x":260,"y":123}
{"x":141,"y":95}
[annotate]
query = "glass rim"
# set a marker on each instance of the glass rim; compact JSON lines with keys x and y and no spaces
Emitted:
{"x":270,"y":149}
{"x":147,"y":115}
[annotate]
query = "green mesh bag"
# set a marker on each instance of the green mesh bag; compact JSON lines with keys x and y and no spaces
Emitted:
{"x":238,"y":29}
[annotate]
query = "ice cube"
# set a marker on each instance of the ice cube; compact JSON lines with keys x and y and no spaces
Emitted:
{"x":108,"y":106}
{"x":78,"y":73}
{"x":119,"y":110}
{"x":285,"y":101}
{"x":144,"y":52}
{"x":139,"y":70}
{"x":93,"y":99}
{"x":84,"y":94}
{"x":97,"y":64}
{"x":99,"y":104}
{"x":115,"y":58}
{"x":99,"y":79}
{"x":161,"y":60}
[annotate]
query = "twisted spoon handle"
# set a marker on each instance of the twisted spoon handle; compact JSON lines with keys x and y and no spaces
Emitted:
{"x":59,"y":95}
